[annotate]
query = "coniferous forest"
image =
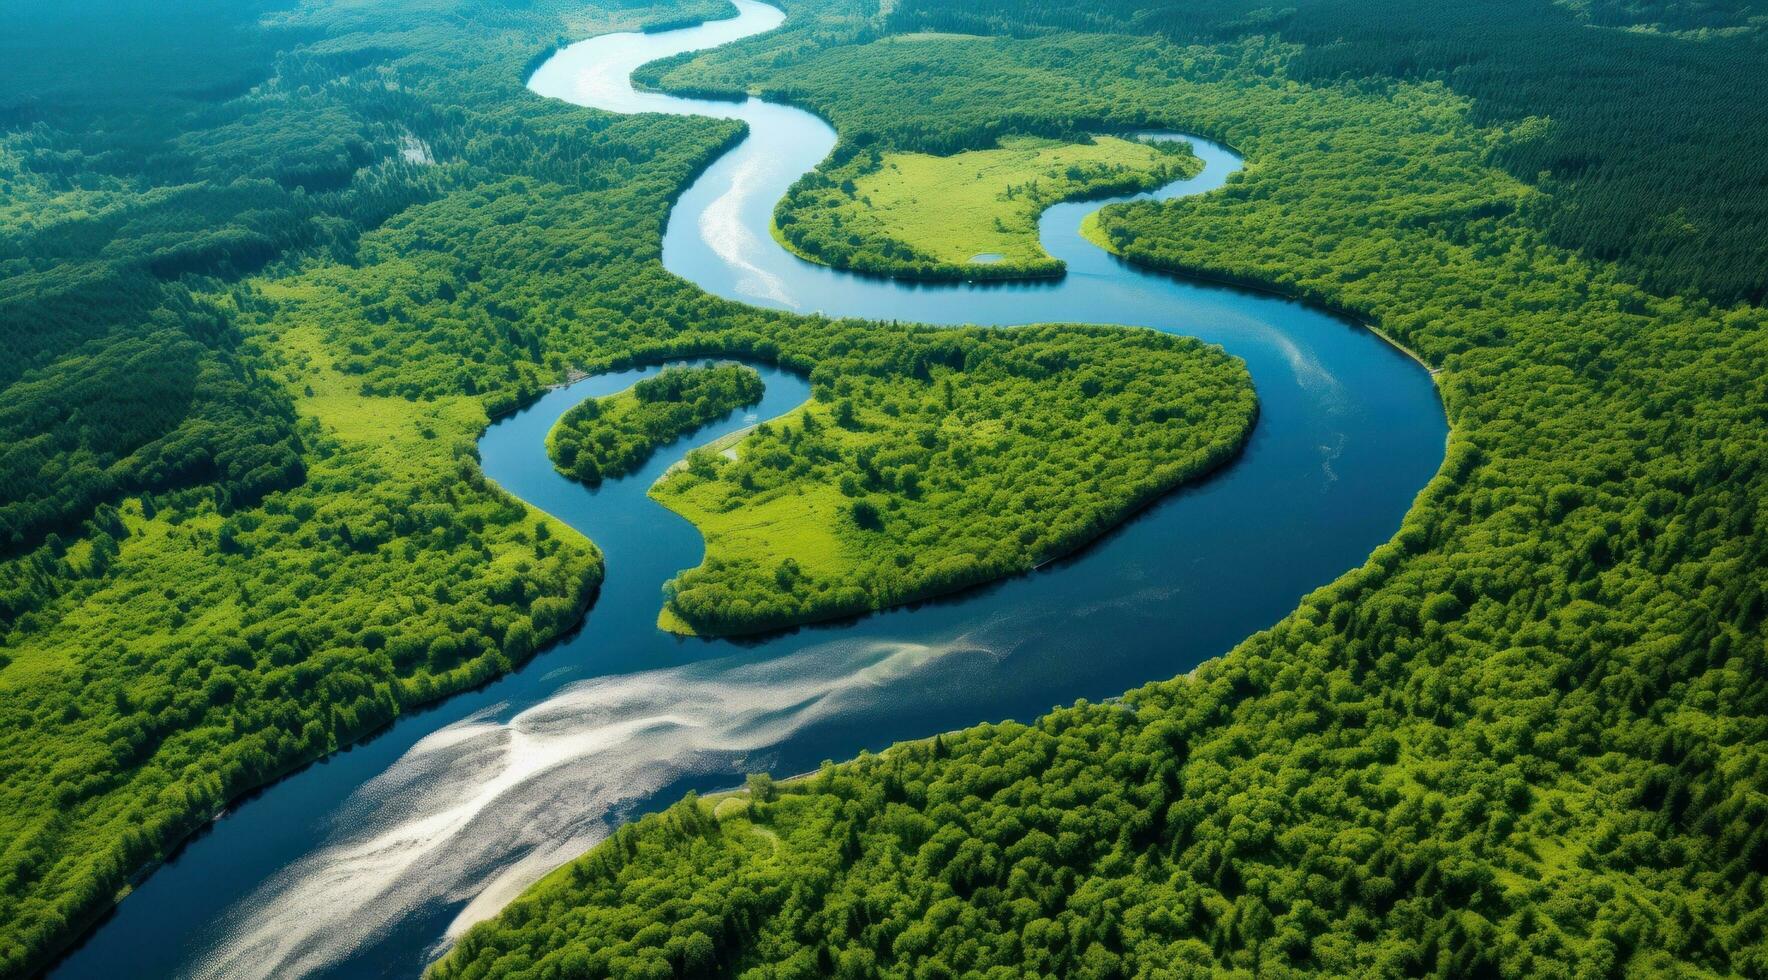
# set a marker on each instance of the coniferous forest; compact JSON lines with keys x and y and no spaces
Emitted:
{"x":268,"y":270}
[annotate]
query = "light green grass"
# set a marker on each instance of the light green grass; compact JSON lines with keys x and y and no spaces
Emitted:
{"x":798,"y":524}
{"x":989,"y":200}
{"x":949,"y":210}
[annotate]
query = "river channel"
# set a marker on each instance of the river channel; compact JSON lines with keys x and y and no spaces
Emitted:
{"x":368,"y":863}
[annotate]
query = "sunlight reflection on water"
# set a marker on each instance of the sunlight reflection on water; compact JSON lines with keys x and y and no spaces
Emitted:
{"x":441,"y":821}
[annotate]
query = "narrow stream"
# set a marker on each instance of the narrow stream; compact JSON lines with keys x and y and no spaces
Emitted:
{"x":367,"y":864}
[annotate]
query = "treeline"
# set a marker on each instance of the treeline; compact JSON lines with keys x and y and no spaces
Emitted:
{"x":948,"y":459}
{"x":689,"y":13}
{"x":1643,"y":170}
{"x":1524,"y":739}
{"x":604,"y":438}
{"x":852,"y":90}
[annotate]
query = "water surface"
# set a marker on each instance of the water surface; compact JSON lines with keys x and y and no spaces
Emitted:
{"x":365,"y":864}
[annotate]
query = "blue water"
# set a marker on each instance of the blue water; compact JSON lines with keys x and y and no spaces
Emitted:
{"x":365,"y":864}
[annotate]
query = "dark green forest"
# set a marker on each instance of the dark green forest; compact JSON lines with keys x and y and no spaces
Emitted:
{"x":266,"y":271}
{"x":1525,"y":738}
{"x":253,"y":340}
{"x":1636,"y":117}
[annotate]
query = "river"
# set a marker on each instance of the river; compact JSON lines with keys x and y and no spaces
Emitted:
{"x":367,"y":863}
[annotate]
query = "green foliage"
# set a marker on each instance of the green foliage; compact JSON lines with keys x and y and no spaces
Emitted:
{"x":132,"y":70}
{"x":125,"y":179}
{"x":1526,"y":738}
{"x":608,"y":437}
{"x":1644,"y":165}
{"x":954,"y":458}
{"x":728,"y":882}
{"x":1642,"y":168}
{"x":148,"y":409}
{"x":244,"y":374}
{"x":220,"y":556}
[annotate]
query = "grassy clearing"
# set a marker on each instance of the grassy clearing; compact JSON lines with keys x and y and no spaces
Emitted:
{"x":919,"y":215}
{"x":798,"y":525}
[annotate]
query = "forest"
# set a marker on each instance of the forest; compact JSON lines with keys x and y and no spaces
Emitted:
{"x":220,"y":556}
{"x":252,"y":343}
{"x":604,"y":438}
{"x":1632,"y":116}
{"x":1526,"y":737}
{"x":953,"y":460}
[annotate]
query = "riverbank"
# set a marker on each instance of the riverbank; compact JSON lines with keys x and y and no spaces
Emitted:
{"x":1090,"y":230}
{"x":1187,"y":580}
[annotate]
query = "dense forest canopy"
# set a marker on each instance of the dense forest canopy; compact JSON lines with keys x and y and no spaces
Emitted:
{"x":1526,"y":738}
{"x":1639,"y":134}
{"x":139,"y":166}
{"x":250,"y":345}
{"x":138,"y":72}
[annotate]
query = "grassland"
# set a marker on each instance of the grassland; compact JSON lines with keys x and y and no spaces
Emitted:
{"x":798,"y":525}
{"x":921,"y":215}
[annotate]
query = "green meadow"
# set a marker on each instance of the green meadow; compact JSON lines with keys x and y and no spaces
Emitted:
{"x":970,"y":214}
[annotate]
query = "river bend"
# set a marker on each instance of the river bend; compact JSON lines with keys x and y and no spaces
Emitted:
{"x":367,"y":863}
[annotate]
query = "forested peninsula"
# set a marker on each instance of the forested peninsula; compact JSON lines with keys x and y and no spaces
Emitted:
{"x":1526,"y":738}
{"x":986,"y":454}
{"x":603,"y":438}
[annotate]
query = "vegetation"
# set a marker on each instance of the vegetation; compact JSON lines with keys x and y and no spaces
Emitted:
{"x":1640,"y":165}
{"x":1526,"y":738}
{"x":222,"y":556}
{"x":603,"y":438}
{"x":970,"y":215}
{"x":987,"y":453}
{"x":125,"y":381}
{"x":249,"y":346}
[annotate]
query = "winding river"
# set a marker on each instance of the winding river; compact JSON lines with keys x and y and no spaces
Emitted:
{"x":367,"y":863}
